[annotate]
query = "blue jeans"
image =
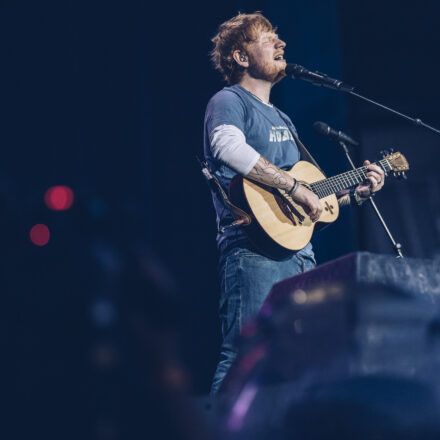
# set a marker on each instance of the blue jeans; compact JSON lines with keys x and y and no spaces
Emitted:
{"x":246,"y":279}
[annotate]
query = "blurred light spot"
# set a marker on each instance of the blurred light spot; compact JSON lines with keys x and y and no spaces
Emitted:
{"x":241,"y":407}
{"x":58,"y":198}
{"x":249,"y":329}
{"x":251,"y":358}
{"x":299,"y":296}
{"x":103,"y":313}
{"x":39,"y":234}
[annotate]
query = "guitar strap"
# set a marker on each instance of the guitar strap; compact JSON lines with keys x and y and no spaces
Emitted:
{"x":305,"y":154}
{"x":241,"y":217}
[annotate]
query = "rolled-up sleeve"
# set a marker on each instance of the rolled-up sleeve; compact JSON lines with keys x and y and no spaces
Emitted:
{"x":228,"y":145}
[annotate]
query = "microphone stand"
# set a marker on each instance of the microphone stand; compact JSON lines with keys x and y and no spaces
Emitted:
{"x":416,"y":121}
{"x":322,"y":80}
{"x":396,"y":246}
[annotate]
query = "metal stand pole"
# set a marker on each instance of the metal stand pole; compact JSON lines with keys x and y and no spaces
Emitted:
{"x":396,"y":246}
{"x":416,"y":121}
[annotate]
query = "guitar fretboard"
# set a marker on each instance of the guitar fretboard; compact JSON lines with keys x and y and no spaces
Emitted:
{"x":333,"y":185}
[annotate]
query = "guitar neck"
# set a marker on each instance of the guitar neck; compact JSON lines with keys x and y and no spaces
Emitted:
{"x":333,"y":185}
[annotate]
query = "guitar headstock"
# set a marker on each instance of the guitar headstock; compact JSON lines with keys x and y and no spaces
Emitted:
{"x":397,"y":163}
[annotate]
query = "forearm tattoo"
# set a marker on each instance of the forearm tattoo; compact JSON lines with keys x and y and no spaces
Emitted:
{"x":268,"y":174}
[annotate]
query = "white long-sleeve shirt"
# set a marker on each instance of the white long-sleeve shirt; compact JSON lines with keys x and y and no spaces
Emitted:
{"x":228,"y":145}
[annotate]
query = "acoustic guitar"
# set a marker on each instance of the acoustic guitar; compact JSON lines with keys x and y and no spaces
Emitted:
{"x":278,"y":224}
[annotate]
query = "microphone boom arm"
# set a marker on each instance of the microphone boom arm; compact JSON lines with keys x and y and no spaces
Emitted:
{"x":416,"y":121}
{"x":321,"y":79}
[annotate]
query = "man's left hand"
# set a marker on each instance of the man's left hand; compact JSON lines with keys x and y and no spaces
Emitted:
{"x":374,"y":181}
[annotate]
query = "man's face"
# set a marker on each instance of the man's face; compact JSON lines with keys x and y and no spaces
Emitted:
{"x":266,"y":57}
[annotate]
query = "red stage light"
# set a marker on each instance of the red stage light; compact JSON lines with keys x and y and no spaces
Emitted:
{"x":58,"y":198}
{"x":40,"y":235}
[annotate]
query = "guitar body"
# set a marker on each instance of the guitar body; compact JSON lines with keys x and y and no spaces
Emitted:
{"x":279,"y":226}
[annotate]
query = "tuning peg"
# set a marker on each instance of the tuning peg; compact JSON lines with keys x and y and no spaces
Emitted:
{"x":404,"y":176}
{"x":384,"y":153}
{"x":391,"y":150}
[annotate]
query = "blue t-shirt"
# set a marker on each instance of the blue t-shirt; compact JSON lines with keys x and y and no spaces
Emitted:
{"x":265,"y":131}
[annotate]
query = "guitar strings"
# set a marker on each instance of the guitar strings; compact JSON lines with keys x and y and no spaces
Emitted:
{"x":338,"y":183}
{"x":351,"y":177}
{"x":326,"y":187}
{"x":343,"y":181}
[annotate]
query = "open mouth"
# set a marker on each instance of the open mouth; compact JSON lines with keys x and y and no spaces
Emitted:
{"x":279,"y":58}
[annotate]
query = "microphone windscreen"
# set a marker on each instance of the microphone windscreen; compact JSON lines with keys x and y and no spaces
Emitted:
{"x":289,"y":69}
{"x":293,"y":70}
{"x":321,"y":128}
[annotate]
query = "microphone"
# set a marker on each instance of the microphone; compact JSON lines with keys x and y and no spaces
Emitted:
{"x":325,"y":130}
{"x":317,"y":78}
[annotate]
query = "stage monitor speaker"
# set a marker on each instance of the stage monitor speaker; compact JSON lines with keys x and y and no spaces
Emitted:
{"x":360,"y":319}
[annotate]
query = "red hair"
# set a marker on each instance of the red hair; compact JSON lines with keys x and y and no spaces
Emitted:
{"x":236,"y":34}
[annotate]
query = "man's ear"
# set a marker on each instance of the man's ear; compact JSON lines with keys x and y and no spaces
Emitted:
{"x":240,"y":58}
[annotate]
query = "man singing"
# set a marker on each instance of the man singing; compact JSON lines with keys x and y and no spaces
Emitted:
{"x":244,"y":133}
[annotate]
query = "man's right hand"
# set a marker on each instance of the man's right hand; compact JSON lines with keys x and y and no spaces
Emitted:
{"x":309,"y":200}
{"x":268,"y":174}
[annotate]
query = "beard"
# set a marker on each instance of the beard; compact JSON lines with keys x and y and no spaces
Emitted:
{"x":271,"y":71}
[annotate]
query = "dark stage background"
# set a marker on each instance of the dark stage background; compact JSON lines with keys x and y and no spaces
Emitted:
{"x":108,"y":98}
